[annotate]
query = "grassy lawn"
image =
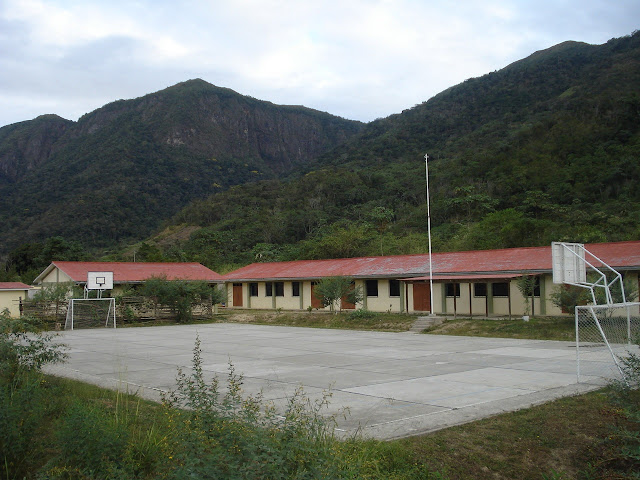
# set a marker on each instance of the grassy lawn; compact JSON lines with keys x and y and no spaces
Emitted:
{"x":353,"y":320}
{"x":561,"y":438}
{"x":537,"y":328}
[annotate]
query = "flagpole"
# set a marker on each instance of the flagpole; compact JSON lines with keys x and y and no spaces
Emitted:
{"x":426,"y":164}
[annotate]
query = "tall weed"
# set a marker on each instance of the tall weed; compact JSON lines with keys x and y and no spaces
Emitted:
{"x":24,"y":401}
{"x":224,"y":434}
{"x":622,"y":445}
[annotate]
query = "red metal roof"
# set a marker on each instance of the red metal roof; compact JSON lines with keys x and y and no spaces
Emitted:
{"x":625,"y":255}
{"x":127,"y":272}
{"x":478,"y":276}
{"x":14,"y":286}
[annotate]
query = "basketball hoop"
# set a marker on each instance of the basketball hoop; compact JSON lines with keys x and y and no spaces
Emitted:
{"x":99,"y":281}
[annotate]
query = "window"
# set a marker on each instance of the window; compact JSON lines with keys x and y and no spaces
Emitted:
{"x":268,"y":290}
{"x":500,"y":289}
{"x":295,"y":289}
{"x":394,"y":288}
{"x":279,"y":289}
{"x":536,"y":287}
{"x":253,"y":289}
{"x":453,"y":289}
{"x":479,"y":289}
{"x":372,"y":288}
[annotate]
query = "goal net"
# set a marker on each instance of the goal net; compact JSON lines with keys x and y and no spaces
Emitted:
{"x":605,"y":335}
{"x":91,"y":313}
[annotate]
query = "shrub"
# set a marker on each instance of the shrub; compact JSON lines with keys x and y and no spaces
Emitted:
{"x":232,"y":436}
{"x":623,"y":442}
{"x":92,"y":440}
{"x":24,"y":402}
{"x":363,"y":314}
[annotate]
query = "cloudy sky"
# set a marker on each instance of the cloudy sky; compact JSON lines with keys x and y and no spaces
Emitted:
{"x":359,"y":59}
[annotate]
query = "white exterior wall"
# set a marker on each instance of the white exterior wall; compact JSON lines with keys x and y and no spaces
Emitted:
{"x":56,"y":276}
{"x":498,"y":306}
{"x":262,"y":302}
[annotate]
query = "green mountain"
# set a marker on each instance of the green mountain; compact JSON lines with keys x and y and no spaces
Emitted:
{"x":545,"y":149}
{"x":121,"y":170}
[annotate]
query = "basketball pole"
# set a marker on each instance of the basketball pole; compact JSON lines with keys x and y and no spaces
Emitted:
{"x":426,"y":165}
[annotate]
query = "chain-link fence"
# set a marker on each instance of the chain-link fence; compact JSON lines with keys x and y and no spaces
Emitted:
{"x":605,"y":334}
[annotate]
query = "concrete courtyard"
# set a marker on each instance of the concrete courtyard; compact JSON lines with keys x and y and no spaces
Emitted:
{"x":392,"y":384}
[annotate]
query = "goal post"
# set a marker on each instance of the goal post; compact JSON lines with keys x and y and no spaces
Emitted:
{"x":91,"y":313}
{"x":607,"y":326}
{"x":605,"y":335}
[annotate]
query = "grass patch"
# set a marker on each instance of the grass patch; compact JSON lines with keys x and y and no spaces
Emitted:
{"x":559,"y":439}
{"x":537,"y":328}
{"x":350,"y":320}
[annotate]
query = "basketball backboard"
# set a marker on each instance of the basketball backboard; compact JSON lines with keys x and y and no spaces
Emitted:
{"x":99,"y":280}
{"x":568,"y":263}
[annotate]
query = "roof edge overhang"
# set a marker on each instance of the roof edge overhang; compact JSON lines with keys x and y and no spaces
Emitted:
{"x":435,"y":278}
{"x":45,"y":272}
{"x":403,"y":277}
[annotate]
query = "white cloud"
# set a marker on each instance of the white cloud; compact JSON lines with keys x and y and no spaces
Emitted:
{"x":360,"y":59}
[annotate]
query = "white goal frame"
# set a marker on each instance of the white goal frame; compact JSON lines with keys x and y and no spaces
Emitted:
{"x":605,"y":335}
{"x":570,"y":262}
{"x":69,"y":323}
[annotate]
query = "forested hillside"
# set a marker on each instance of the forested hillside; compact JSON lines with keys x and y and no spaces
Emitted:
{"x":545,"y":149}
{"x":119,"y":171}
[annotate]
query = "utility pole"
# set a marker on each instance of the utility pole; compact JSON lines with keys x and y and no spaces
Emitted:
{"x":426,"y":164}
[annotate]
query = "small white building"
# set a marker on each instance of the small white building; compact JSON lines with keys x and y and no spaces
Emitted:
{"x":125,"y":273}
{"x":12,"y":294}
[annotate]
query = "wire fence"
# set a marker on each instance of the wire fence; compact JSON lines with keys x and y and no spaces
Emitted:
{"x":605,"y":334}
{"x":128,"y":309}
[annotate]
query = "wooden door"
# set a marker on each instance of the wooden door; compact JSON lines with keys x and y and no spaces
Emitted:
{"x":421,"y":297}
{"x":347,"y":305}
{"x":237,"y":294}
{"x":315,"y":302}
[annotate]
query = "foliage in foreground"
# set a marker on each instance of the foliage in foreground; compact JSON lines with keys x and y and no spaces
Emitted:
{"x":223,"y":434}
{"x":620,"y":457}
{"x":23,"y":394}
{"x":209,"y":430}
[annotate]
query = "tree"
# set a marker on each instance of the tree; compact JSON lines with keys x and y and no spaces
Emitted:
{"x":567,"y":297}
{"x":381,"y":217}
{"x":332,"y":290}
{"x":180,"y":295}
{"x":527,"y":284}
{"x":57,"y":293}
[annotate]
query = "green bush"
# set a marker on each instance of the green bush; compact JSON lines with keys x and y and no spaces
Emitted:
{"x":362,"y":314}
{"x":24,"y":407}
{"x":229,"y":435}
{"x":24,"y":401}
{"x":622,"y":458}
{"x":92,"y":440}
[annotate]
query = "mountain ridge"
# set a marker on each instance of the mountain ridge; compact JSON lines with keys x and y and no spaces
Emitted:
{"x":168,"y":147}
{"x":543,"y":149}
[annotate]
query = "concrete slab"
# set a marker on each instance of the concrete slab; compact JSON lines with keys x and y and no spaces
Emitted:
{"x":392,"y":384}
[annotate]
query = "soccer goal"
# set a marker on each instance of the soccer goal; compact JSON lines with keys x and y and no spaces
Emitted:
{"x":605,"y":334}
{"x":607,"y":328}
{"x":91,"y":313}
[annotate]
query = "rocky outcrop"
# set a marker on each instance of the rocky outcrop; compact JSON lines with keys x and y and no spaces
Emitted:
{"x":26,"y":145}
